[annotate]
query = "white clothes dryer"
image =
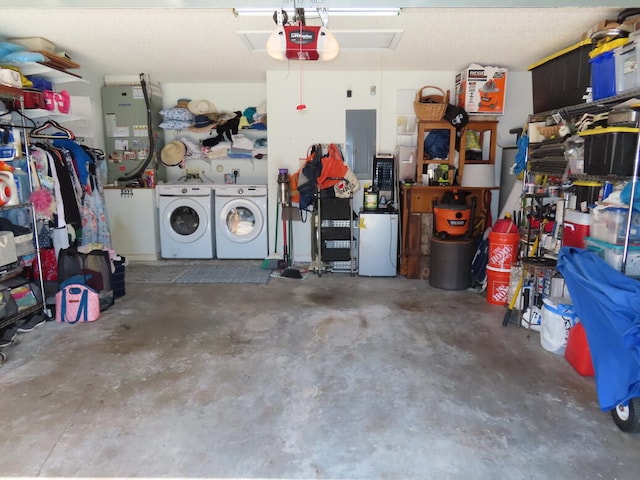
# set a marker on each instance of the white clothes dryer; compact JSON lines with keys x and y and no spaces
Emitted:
{"x":186,"y":221}
{"x":241,"y":221}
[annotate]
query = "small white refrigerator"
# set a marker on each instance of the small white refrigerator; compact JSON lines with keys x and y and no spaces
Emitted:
{"x":378,"y":244}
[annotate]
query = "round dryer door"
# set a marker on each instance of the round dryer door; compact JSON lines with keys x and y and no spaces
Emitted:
{"x":240,"y":221}
{"x":185,"y":220}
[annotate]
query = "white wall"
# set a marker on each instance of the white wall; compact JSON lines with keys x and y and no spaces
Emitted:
{"x":291,"y":132}
{"x":231,"y":97}
{"x":90,"y":127}
{"x":519,"y":104}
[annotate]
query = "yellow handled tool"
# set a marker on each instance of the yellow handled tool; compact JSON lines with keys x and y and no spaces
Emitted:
{"x":512,"y":303}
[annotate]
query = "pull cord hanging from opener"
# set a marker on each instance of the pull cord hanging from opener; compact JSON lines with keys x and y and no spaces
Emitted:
{"x":300,"y":14}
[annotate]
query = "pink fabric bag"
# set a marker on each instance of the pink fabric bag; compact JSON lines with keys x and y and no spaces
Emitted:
{"x":77,"y":303}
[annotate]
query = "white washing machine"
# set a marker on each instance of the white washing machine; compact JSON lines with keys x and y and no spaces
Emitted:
{"x":186,"y":221}
{"x":241,"y":221}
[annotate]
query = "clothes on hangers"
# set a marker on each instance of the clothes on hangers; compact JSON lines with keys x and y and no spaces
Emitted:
{"x":66,"y":184}
{"x":68,"y":170}
{"x":77,"y":189}
{"x":95,"y":225}
{"x":49,"y":179}
{"x":81,"y":159}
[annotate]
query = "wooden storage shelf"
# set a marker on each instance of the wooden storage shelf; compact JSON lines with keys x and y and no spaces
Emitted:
{"x":55,"y":75}
{"x":416,"y":200}
{"x":487,"y":134}
{"x":424,"y":127}
{"x":7,"y":91}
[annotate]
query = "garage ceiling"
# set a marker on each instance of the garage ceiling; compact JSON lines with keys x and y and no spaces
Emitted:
{"x":199,"y":41}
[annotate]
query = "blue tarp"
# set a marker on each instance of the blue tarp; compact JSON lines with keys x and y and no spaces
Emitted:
{"x":608,"y":305}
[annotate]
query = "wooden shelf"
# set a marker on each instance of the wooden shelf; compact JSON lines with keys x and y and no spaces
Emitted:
{"x":7,"y":91}
{"x":487,"y":131}
{"x":55,"y":75}
{"x":424,"y":128}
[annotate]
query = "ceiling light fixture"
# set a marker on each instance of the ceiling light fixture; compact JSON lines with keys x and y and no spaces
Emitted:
{"x":364,"y":12}
{"x":353,"y":12}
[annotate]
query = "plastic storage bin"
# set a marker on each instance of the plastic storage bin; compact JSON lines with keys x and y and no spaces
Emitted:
{"x":627,"y":72}
{"x":603,"y":69}
{"x":599,"y":229}
{"x":587,"y":192}
{"x":610,"y":225}
{"x":612,"y":254}
{"x":25,"y":245}
{"x":562,"y":78}
{"x":610,"y":150}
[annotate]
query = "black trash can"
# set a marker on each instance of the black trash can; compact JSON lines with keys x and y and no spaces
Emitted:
{"x":450,"y":263}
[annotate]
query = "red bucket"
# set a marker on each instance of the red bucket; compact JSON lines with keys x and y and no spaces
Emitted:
{"x":503,"y":249}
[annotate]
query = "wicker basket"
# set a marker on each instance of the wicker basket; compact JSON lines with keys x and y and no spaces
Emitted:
{"x":549,"y":132}
{"x":430,"y":107}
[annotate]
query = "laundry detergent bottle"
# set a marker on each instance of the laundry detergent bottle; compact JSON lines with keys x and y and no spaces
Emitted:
{"x":8,"y":189}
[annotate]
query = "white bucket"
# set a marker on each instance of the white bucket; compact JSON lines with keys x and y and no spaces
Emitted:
{"x":558,"y":316}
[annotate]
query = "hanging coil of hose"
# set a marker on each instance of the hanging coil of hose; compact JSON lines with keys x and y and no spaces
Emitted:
{"x":137,"y":174}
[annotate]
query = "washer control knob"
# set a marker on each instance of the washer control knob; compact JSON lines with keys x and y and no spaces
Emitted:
{"x":240,"y":191}
{"x":184,"y":191}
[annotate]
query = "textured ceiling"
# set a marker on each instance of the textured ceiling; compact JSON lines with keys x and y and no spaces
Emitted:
{"x":202,"y":45}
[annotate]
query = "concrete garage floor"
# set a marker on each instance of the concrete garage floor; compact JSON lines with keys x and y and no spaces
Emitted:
{"x":335,"y":377}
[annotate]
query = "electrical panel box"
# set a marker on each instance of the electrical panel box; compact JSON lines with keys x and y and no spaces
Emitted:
{"x":127,"y":131}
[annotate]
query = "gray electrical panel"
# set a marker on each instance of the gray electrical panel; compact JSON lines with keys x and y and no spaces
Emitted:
{"x":126,"y":131}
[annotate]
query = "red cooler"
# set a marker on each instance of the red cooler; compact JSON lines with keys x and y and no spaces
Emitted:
{"x":577,"y":352}
{"x":575,"y":228}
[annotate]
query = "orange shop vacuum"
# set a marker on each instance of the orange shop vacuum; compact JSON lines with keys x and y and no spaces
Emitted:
{"x":452,"y":217}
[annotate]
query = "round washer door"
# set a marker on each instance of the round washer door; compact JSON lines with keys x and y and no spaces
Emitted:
{"x":185,"y":220}
{"x":240,"y":220}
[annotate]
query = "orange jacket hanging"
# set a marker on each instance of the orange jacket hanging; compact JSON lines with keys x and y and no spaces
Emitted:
{"x":333,"y":168}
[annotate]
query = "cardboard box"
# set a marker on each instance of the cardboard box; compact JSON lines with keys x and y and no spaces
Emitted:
{"x":481,"y":90}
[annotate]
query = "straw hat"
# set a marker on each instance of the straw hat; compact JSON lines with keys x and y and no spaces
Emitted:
{"x":222,"y":116}
{"x":201,"y":107}
{"x":173,"y":153}
{"x":182,"y":103}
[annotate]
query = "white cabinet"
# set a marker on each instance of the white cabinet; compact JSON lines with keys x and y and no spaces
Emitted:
{"x":133,"y":222}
